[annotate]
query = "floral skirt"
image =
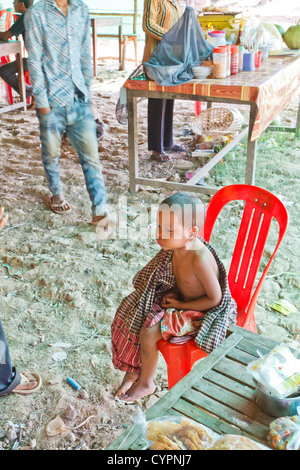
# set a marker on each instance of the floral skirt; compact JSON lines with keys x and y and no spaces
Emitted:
{"x":180,"y":323}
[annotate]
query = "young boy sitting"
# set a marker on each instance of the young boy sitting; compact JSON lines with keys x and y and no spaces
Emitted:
{"x":9,"y":71}
{"x":182,"y":293}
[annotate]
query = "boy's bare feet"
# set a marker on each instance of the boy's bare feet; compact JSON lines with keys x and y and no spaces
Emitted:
{"x":129,"y":379}
{"x":139,"y":390}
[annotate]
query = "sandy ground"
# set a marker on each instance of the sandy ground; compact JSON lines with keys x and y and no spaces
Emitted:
{"x":60,"y":284}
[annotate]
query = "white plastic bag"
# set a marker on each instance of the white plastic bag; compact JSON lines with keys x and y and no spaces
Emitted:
{"x":278,"y":372}
{"x":178,"y":433}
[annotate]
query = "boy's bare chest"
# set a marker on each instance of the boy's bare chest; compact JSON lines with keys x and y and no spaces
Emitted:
{"x":187,"y":282}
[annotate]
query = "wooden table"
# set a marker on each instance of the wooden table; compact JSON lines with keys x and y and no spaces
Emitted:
{"x":266,"y":91}
{"x":15,"y":47}
{"x":100,"y":21}
{"x":218,"y":392}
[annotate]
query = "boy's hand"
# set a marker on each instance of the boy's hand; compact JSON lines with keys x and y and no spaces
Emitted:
{"x":171,"y":302}
{"x":4,"y":218}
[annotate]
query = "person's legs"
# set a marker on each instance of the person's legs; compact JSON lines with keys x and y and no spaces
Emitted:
{"x":52,"y":126}
{"x":149,"y":357}
{"x":6,"y":370}
{"x":9,"y":73}
{"x":168,"y":124}
{"x":81,"y":130}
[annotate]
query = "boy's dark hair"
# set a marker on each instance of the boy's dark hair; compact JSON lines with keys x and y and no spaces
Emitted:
{"x":192,"y":207}
{"x":27,"y":3}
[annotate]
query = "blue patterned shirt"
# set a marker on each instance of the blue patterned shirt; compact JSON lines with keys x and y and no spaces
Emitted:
{"x":59,"y":52}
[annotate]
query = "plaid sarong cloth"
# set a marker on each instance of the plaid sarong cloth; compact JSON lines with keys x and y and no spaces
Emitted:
{"x":142,"y":308}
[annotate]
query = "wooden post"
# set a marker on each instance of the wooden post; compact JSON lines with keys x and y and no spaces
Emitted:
{"x":251,"y":149}
{"x":94,"y":35}
{"x":21,"y":79}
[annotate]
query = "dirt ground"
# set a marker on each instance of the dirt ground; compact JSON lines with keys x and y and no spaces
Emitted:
{"x":60,"y":284}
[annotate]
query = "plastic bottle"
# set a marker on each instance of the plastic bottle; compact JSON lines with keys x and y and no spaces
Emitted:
{"x":219,"y":62}
{"x":228,"y":53}
{"x":234,"y":59}
{"x":224,"y":50}
{"x":241,"y":57}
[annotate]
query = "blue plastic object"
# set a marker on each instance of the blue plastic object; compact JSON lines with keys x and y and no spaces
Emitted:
{"x":249,"y":61}
{"x":73,"y":383}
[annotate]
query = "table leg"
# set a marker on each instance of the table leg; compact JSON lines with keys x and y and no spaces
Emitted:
{"x":251,"y":149}
{"x":297,"y":130}
{"x":94,"y":35}
{"x":132,"y":141}
{"x":21,"y":80}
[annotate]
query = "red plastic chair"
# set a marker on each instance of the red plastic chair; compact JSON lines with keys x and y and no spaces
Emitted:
{"x":261,"y":207}
{"x":3,"y":60}
{"x":10,"y":17}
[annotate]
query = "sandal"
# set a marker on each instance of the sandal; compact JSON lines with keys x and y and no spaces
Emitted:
{"x":61,"y":208}
{"x":178,"y":148}
{"x":161,"y":158}
{"x":28,"y":378}
{"x":21,"y":379}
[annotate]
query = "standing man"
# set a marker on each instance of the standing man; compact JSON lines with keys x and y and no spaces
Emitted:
{"x":59,"y":61}
{"x":8,"y":72}
{"x":11,"y":381}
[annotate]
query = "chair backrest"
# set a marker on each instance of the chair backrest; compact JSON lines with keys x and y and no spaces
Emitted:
{"x":260,"y":207}
{"x":8,"y":12}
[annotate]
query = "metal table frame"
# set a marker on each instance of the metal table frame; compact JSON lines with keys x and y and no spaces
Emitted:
{"x":15,"y":47}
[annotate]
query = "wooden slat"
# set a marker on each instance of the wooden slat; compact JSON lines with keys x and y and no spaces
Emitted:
{"x":230,"y":384}
{"x":210,"y":420}
{"x":234,"y":370}
{"x":232,"y":400}
{"x":227,"y":414}
{"x":241,"y":356}
{"x":251,"y":347}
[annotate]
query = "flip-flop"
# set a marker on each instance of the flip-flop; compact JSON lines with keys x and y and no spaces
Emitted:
{"x":25,"y":378}
{"x":161,"y":158}
{"x":15,"y":382}
{"x":60,"y":208}
{"x":178,"y":148}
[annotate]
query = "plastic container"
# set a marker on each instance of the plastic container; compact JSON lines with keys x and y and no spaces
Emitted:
{"x":228,"y":52}
{"x":241,"y":58}
{"x":234,"y":60}
{"x":249,"y":61}
{"x":257,"y":59}
{"x":219,"y":62}
{"x":216,"y":38}
{"x":224,"y":49}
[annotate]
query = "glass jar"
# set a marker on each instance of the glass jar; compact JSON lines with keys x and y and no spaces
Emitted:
{"x":234,"y":60}
{"x":219,"y":62}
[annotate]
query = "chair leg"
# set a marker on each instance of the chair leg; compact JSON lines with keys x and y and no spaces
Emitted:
{"x":9,"y":94}
{"x":135,"y":51}
{"x":124,"y":53}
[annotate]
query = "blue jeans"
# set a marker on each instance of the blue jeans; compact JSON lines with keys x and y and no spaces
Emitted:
{"x":6,"y":371}
{"x":78,"y":122}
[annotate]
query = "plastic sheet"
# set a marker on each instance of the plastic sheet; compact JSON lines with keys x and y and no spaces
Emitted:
{"x":181,"y":48}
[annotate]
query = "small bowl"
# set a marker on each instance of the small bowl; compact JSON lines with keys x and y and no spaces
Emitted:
{"x":274,"y":406}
